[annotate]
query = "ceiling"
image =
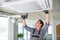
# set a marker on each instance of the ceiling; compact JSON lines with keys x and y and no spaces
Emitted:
{"x":32,"y":7}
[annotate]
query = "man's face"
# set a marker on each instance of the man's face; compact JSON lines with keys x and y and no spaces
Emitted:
{"x":38,"y":24}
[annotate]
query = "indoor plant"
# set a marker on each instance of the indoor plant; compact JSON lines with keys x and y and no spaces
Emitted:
{"x":20,"y":36}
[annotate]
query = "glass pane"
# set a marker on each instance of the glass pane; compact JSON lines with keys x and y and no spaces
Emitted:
{"x":48,"y":35}
{"x":20,"y":28}
{"x":25,"y":34}
{"x":29,"y":35}
{"x":50,"y":30}
{"x":3,"y":28}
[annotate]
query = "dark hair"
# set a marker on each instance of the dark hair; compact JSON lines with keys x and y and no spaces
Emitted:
{"x":41,"y":22}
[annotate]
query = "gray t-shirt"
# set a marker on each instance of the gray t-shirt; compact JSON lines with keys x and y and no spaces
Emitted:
{"x":43,"y":30}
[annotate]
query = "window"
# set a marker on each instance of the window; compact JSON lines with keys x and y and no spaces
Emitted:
{"x":3,"y":28}
{"x":30,"y":23}
{"x":50,"y":30}
{"x":20,"y":28}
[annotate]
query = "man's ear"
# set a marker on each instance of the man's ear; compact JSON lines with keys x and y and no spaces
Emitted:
{"x":41,"y":24}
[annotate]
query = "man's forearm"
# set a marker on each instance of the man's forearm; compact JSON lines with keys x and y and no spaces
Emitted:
{"x":26,"y":27}
{"x":24,"y":23}
{"x":47,"y":16}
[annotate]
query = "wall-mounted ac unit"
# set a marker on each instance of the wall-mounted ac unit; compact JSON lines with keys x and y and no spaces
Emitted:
{"x":25,"y":6}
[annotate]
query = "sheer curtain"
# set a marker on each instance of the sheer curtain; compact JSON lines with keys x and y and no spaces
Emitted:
{"x":3,"y":28}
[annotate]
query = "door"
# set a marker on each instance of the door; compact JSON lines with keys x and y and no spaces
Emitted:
{"x":58,"y":32}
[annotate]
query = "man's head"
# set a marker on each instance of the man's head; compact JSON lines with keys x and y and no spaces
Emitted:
{"x":39,"y":24}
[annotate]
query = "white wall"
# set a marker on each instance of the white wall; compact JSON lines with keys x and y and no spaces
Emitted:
{"x":12,"y":29}
{"x":57,"y":21}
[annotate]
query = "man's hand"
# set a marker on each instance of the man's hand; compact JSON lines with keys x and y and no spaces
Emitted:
{"x":46,"y":11}
{"x":47,"y":16}
{"x":24,"y":16}
{"x":24,"y":23}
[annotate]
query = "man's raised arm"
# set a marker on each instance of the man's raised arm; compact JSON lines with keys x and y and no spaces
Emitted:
{"x":26,"y":26}
{"x":47,"y":16}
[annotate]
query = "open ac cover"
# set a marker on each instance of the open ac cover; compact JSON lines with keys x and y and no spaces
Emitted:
{"x":27,"y":6}
{"x":45,"y":4}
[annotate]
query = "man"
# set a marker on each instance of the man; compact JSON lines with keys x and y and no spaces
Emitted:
{"x":40,"y":30}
